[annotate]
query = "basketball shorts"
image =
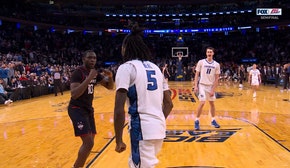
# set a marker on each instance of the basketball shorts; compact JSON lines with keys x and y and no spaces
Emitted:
{"x":255,"y":82}
{"x":83,"y":121}
{"x":203,"y":93}
{"x":144,"y":153}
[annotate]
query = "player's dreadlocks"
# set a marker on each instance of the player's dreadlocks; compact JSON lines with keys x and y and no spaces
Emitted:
{"x":133,"y":46}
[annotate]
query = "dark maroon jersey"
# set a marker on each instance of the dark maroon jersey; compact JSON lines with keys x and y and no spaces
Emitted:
{"x":86,"y":99}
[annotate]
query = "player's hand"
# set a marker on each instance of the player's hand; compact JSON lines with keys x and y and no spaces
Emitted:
{"x":93,"y":73}
{"x":195,"y":90}
{"x":120,"y":147}
{"x":107,"y":73}
{"x":211,"y":94}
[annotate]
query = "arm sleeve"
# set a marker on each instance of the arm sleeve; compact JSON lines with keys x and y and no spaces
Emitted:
{"x":198,"y":66}
{"x":125,"y":75}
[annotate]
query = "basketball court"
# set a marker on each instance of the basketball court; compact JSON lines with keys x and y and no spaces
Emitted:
{"x":254,"y":132}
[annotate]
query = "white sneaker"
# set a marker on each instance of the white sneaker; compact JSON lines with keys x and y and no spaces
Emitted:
{"x":7,"y":102}
{"x":240,"y":86}
{"x":10,"y":101}
{"x":254,"y":94}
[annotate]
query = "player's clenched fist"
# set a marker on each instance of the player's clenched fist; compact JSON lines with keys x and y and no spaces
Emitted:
{"x":120,"y":147}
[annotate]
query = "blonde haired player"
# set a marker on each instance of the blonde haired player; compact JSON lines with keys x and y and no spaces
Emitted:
{"x":205,"y":83}
{"x":254,"y":79}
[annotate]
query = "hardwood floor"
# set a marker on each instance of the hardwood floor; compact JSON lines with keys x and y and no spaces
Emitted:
{"x":254,"y":131}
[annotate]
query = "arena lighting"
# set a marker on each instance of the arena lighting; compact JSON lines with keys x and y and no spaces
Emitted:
{"x":217,"y":29}
{"x":70,"y":31}
{"x":270,"y":27}
{"x":110,"y":63}
{"x":0,"y":22}
{"x":147,"y":31}
{"x":160,"y":31}
{"x":203,"y":20}
{"x":35,"y":28}
{"x":126,"y":31}
{"x":113,"y":30}
{"x":176,"y":31}
{"x":193,"y":30}
{"x":187,"y":14}
{"x":249,"y":60}
{"x":244,"y":27}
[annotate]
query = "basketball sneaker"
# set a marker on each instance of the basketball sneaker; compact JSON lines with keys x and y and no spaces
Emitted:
{"x":254,"y":95}
{"x":6,"y":102}
{"x":215,"y":124}
{"x":196,"y":125}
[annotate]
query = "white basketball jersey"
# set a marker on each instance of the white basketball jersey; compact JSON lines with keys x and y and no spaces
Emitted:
{"x":145,"y":84}
{"x":255,"y":74}
{"x":207,"y":70}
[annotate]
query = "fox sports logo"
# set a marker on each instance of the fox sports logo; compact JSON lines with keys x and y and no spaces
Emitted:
{"x":269,"y":11}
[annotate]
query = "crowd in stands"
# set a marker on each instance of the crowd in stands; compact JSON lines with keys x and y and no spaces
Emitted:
{"x":29,"y":58}
{"x":85,"y":15}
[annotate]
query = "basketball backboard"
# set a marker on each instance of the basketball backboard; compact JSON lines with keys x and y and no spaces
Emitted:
{"x":179,"y":52}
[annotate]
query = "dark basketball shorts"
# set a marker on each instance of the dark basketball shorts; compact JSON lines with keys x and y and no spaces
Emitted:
{"x":83,"y":121}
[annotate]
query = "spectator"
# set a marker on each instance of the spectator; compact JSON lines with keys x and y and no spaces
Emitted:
{"x":5,"y":97}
